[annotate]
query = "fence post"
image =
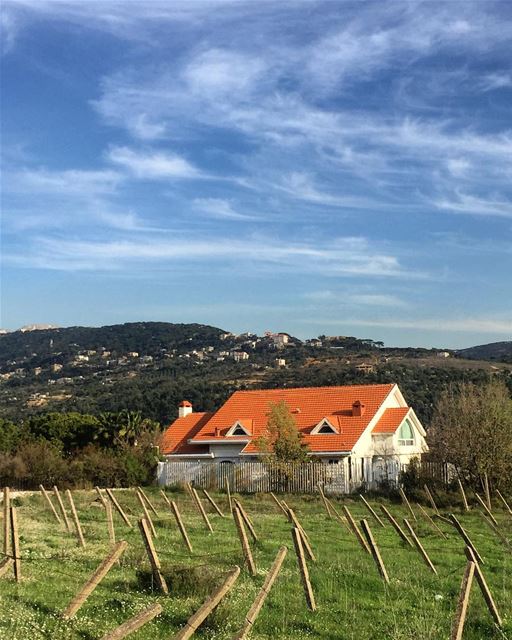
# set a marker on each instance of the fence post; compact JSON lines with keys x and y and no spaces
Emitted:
{"x":489,"y":601}
{"x":110,"y":522}
{"x":152,"y":555}
{"x":204,"y":611}
{"x":118,"y":507}
{"x":180,"y":524}
{"x":396,"y":526}
{"x":355,"y":530}
{"x":256,"y":606}
{"x":463,"y":494}
{"x":303,"y":569}
{"x":7,"y":521}
{"x":15,"y":543}
{"x":50,"y":503}
{"x":94,"y":580}
{"x":419,"y":546}
{"x":134,"y":623}
{"x":243,"y":540}
{"x":462,"y":605}
{"x":146,"y":512}
{"x":62,"y":509}
{"x":78,"y":528}
{"x":374,"y":550}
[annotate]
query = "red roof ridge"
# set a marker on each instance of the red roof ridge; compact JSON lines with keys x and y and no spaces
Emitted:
{"x":331,"y":386}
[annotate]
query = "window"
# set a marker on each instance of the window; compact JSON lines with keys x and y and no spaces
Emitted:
{"x":238,"y":432}
{"x":326,"y":428}
{"x":333,"y":461}
{"x":406,"y":434}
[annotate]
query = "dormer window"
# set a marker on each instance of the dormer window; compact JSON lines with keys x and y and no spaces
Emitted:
{"x":242,"y":427}
{"x":406,"y":434}
{"x":325,"y":426}
{"x":238,"y":431}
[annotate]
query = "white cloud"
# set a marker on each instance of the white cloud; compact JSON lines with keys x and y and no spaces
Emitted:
{"x":152,"y":165}
{"x":478,"y":325}
{"x":493,"y":81}
{"x":220,"y":208}
{"x":67,"y":182}
{"x":458,"y":167}
{"x":474,"y":205}
{"x":346,"y":256}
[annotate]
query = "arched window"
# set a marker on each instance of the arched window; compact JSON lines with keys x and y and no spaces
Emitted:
{"x":406,"y":434}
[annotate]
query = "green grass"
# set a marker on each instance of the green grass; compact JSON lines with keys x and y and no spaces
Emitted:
{"x":352,"y":600}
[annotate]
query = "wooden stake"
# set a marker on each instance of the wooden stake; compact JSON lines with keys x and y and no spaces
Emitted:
{"x":279,"y":504}
{"x":146,"y":513}
{"x":78,"y":528}
{"x":204,"y":611}
{"x":304,"y":535}
{"x":118,"y":508}
{"x":229,"y":495}
{"x":429,"y":519}
{"x":15,"y":543}
{"x":489,"y":512}
{"x":131,"y":625}
{"x":419,"y":546}
{"x":213,"y":503}
{"x":153,"y":558}
{"x":462,"y":605}
{"x":148,"y":502}
{"x":372,"y":511}
{"x":201,"y":510}
{"x":497,"y":531}
{"x":50,"y":503}
{"x":95,"y":579}
{"x":5,"y":565}
{"x":243,"y":540}
{"x":505,"y":504}
{"x":7,"y":520}
{"x":247,"y":520}
{"x":164,"y":495}
{"x":487,"y":492}
{"x":374,"y":550}
{"x":62,"y":509}
{"x":181,"y":526}
{"x":303,"y":569}
{"x":256,"y":606}
{"x":407,"y":504}
{"x":338,"y":515}
{"x":431,"y":498}
{"x":324,"y":500}
{"x":110,"y":522}
{"x":102,"y":498}
{"x":465,"y":537}
{"x":463,"y":494}
{"x":489,"y":601}
{"x":355,"y":530}
{"x":396,"y":526}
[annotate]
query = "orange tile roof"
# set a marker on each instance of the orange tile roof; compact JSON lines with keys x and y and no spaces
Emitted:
{"x":390,"y":420}
{"x":175,"y":438}
{"x":308,"y":406}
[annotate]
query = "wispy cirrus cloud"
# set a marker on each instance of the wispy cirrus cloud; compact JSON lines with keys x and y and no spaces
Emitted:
{"x":221,"y":209}
{"x":152,"y":165}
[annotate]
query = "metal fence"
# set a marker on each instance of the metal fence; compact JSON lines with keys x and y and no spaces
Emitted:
{"x":254,"y":477}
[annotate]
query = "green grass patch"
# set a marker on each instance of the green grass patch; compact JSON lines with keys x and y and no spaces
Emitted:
{"x":353,"y":602}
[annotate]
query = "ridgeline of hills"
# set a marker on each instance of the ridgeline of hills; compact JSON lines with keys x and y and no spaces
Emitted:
{"x":497,"y":351}
{"x":152,"y":366}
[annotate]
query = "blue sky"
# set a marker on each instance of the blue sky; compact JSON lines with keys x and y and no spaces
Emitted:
{"x":314,"y":167}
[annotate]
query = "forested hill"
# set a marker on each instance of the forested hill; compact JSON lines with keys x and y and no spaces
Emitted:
{"x":149,"y":338}
{"x":498,"y":351}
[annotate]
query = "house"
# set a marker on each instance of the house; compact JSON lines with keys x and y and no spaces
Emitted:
{"x":368,"y":428}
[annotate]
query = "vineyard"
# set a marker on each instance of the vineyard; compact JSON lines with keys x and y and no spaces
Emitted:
{"x":144,"y":564}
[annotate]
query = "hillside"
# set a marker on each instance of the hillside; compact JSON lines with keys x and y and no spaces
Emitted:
{"x":497,"y":351}
{"x":152,"y":366}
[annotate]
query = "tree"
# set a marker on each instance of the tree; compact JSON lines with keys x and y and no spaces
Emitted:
{"x":472,"y":429}
{"x":283,"y":439}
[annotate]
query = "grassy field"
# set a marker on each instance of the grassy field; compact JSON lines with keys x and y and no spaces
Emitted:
{"x":352,"y":600}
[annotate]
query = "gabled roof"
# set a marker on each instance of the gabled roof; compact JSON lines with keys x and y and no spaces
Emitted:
{"x":390,"y":420}
{"x":175,"y":438}
{"x":308,"y":405}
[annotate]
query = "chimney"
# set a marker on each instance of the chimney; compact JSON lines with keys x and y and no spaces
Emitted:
{"x":217,"y":432}
{"x":184,"y":408}
{"x":358,"y":408}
